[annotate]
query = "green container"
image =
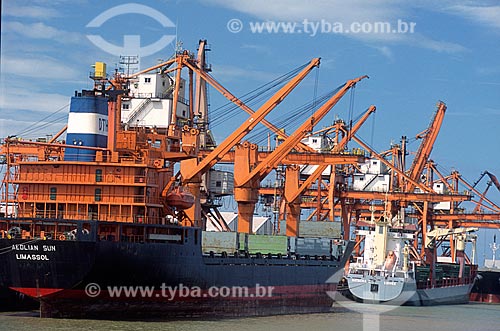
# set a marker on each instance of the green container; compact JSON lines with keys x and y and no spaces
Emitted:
{"x":219,"y":242}
{"x":265,"y":244}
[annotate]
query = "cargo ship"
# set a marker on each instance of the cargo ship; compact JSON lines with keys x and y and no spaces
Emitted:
{"x":105,"y":224}
{"x":487,"y":285}
{"x":390,"y":270}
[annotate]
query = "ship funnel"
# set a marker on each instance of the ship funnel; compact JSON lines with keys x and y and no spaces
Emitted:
{"x":87,"y":126}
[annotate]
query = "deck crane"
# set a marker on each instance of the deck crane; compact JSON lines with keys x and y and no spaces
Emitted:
{"x":293,"y":190}
{"x":248,"y":174}
{"x":477,"y":209}
{"x":191,"y":170}
{"x":429,"y":137}
{"x":493,"y":179}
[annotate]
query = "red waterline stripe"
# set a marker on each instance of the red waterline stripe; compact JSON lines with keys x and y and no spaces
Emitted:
{"x":37,"y":292}
{"x":283,"y":292}
{"x":488,"y":298}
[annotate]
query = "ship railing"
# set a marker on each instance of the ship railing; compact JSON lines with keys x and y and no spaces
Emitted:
{"x":48,"y":229}
{"x":75,"y":230}
{"x":170,"y":95}
{"x":84,"y":216}
{"x":141,"y":95}
{"x":445,"y":282}
{"x":361,"y":268}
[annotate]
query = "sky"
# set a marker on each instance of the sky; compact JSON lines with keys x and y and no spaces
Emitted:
{"x":434,"y":50}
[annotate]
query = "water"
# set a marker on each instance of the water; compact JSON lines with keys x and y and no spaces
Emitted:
{"x":471,"y":317}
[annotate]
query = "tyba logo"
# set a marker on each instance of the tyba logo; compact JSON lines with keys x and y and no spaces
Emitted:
{"x":131,"y":43}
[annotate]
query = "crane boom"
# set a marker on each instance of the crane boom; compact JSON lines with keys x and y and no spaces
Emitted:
{"x":228,"y":95}
{"x":424,"y":151}
{"x":249,"y":124}
{"x":494,"y":179}
{"x":58,"y":134}
{"x":263,"y":168}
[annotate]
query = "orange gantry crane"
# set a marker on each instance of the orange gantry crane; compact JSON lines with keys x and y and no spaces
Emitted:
{"x":249,"y":174}
{"x":192,"y":170}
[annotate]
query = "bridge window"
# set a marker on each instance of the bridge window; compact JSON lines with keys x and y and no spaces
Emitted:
{"x":53,"y":193}
{"x":98,"y":175}
{"x":97,"y":194}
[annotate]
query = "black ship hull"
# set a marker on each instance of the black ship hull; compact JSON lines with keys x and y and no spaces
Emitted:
{"x":487,"y":286}
{"x":14,"y":301}
{"x":105,"y":279}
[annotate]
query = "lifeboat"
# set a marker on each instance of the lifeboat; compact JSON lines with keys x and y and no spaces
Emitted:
{"x":180,"y":199}
{"x":390,"y":261}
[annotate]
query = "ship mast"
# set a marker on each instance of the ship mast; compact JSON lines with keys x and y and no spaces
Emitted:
{"x":494,"y":249}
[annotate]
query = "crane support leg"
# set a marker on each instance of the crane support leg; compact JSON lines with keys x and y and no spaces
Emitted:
{"x":245,"y":216}
{"x":194,"y":213}
{"x":292,"y":219}
{"x":292,"y":210}
{"x":346,"y":224}
{"x":247,"y":195}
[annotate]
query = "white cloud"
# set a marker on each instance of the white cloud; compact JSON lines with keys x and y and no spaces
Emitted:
{"x":329,"y":62}
{"x":24,"y":108}
{"x":24,"y":99}
{"x":40,"y":30}
{"x":337,"y":10}
{"x":38,"y":68}
{"x":436,"y":45}
{"x":486,"y":15}
{"x":18,"y":127}
{"x":38,"y":12}
{"x":385,"y":51}
{"x":484,"y":12}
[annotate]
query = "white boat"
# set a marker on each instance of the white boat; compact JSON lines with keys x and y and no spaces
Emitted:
{"x":390,"y":270}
